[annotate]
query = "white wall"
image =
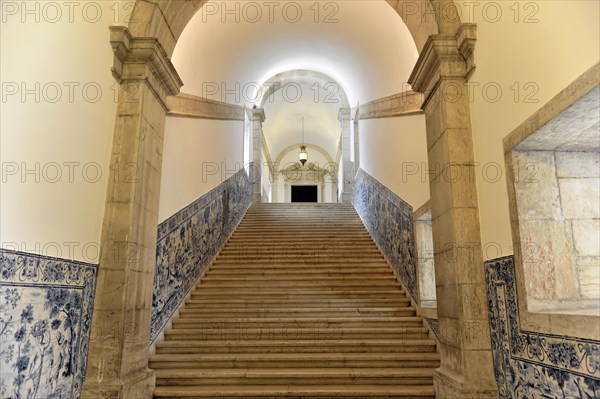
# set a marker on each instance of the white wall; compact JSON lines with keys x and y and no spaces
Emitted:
{"x":198,"y":155}
{"x":64,"y":137}
{"x":394,"y":151}
{"x":550,"y":45}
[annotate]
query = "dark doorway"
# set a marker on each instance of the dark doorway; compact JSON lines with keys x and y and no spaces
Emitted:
{"x":304,"y":194}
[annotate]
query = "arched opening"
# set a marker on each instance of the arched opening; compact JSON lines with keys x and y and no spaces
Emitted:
{"x":144,"y":51}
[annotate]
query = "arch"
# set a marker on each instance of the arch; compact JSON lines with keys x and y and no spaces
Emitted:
{"x":288,"y":149}
{"x":166,"y":19}
{"x":130,"y":217}
{"x":280,"y":80}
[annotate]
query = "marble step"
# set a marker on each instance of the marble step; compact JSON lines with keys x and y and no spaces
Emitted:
{"x":287,"y":312}
{"x":277,"y":303}
{"x":297,"y":322}
{"x":324,"y":285}
{"x":298,"y":360}
{"x":308,"y":377}
{"x":296,"y":277}
{"x":245,"y":342}
{"x":297,"y":392}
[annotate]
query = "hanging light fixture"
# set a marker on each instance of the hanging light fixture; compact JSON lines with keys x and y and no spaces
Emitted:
{"x":303,"y":155}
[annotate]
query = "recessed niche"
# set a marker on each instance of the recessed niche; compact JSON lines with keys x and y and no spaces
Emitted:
{"x":556,"y":180}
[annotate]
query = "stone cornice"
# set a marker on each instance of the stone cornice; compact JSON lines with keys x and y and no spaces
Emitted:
{"x":400,"y":104}
{"x":566,"y":98}
{"x":444,"y":57}
{"x":190,"y":106}
{"x":258,"y":114}
{"x":344,"y":114}
{"x":466,"y":36}
{"x":143,"y":59}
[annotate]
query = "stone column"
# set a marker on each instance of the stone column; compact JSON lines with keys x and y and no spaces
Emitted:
{"x":274,"y":186}
{"x":356,"y":141}
{"x":287,"y":192}
{"x":348,"y":168}
{"x":257,"y":118}
{"x":441,"y":73}
{"x":118,"y":351}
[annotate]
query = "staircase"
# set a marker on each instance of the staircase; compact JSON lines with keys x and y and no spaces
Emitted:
{"x":299,"y":304}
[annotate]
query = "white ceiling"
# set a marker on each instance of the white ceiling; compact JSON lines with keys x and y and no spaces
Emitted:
{"x":369,"y":51}
{"x":283,"y":126}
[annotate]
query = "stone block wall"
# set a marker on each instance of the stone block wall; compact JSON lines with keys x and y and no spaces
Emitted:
{"x":557,"y":196}
{"x":190,"y":239}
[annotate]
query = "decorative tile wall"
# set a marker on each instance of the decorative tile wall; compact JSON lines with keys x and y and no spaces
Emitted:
{"x":45,"y":316}
{"x":389,"y":220}
{"x":435,"y":326}
{"x":531,"y":364}
{"x":190,"y":239}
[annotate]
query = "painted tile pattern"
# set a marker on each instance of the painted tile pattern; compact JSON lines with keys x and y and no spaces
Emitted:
{"x":530,"y":364}
{"x":435,"y":326}
{"x":45,"y":317}
{"x":190,"y":239}
{"x":389,"y":220}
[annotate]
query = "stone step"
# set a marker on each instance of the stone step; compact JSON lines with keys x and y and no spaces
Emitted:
{"x":297,"y":392}
{"x":298,"y":360}
{"x":283,"y":236}
{"x":325,"y":285}
{"x":324,"y":332}
{"x":328,"y":265}
{"x":251,"y":273}
{"x":276,"y":303}
{"x":292,"y":251}
{"x":241,"y":277}
{"x":308,"y":377}
{"x":245,"y":342}
{"x":296,"y":294}
{"x":297,"y":322}
{"x":207,"y":314}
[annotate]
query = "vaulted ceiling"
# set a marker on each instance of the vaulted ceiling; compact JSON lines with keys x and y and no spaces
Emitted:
{"x":363,"y":45}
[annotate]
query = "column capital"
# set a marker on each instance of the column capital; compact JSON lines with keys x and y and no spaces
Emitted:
{"x":445,"y":57}
{"x":344,"y":114}
{"x":143,"y":60}
{"x":257,"y":114}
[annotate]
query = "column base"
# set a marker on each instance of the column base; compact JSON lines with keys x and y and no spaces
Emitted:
{"x":139,"y":386}
{"x":256,"y":198}
{"x":347,"y":196}
{"x":451,"y":386}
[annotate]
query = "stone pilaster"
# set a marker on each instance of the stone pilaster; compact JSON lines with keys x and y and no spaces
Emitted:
{"x":441,"y":74}
{"x":344,"y":116}
{"x":257,"y":118}
{"x":118,"y":351}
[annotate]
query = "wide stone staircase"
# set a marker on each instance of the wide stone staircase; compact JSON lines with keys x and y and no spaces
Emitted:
{"x":299,"y":304}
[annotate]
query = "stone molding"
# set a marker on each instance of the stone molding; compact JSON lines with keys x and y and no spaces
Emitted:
{"x":400,"y":104}
{"x":567,"y":97}
{"x":449,"y":57}
{"x":344,"y":114}
{"x":258,"y":114}
{"x":143,"y":60}
{"x":190,"y":106}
